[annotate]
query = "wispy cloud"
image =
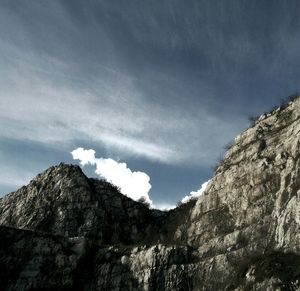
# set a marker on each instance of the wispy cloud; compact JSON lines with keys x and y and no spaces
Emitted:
{"x":97,"y":91}
{"x":120,"y":118}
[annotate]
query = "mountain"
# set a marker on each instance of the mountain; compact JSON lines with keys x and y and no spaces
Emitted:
{"x":63,"y":201}
{"x":65,"y":231}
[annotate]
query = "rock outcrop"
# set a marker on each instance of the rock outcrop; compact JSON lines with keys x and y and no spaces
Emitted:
{"x":63,"y":201}
{"x":67,"y":232}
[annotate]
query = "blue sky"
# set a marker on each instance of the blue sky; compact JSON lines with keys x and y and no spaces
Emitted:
{"x":160,"y":85}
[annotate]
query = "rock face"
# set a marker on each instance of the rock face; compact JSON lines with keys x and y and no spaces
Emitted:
{"x":63,"y":201}
{"x":67,"y":232}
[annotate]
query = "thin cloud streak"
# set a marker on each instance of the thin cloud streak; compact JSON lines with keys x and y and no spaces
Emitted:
{"x":119,"y":118}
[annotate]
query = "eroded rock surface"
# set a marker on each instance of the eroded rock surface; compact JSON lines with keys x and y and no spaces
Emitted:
{"x":68,"y":232}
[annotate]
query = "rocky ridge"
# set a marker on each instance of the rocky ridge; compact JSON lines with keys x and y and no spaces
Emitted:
{"x":68,"y":232}
{"x":63,"y":201}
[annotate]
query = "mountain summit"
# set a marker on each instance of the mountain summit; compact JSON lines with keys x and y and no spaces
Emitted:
{"x":63,"y":201}
{"x":65,"y":231}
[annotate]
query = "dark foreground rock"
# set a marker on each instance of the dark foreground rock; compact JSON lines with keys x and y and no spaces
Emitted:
{"x":67,"y":232}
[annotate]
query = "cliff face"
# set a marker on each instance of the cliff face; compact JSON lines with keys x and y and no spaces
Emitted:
{"x":66,"y":231}
{"x":246,"y":225}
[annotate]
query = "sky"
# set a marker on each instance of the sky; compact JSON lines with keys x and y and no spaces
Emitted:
{"x":154,"y":87}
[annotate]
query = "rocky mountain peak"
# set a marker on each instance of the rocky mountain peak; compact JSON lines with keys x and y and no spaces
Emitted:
{"x":62,"y":200}
{"x":59,"y":172}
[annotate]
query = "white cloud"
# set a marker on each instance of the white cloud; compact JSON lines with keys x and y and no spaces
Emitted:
{"x":134,"y":184}
{"x":84,"y":156}
{"x":195,"y":194}
{"x":164,"y":206}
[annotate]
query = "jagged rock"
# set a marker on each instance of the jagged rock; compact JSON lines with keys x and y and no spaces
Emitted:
{"x":68,"y":232}
{"x":63,"y":201}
